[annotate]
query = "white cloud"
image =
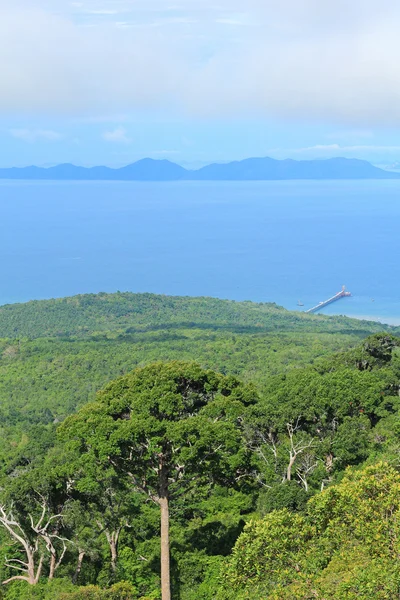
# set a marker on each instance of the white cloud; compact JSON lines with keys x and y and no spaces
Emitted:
{"x":118,"y":136}
{"x":310,"y":60}
{"x":35,"y":135}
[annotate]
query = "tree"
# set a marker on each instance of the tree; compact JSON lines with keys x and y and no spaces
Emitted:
{"x":35,"y":540}
{"x":102,"y":499}
{"x":166,"y":428}
{"x":33,"y":503}
{"x":265,"y":553}
{"x":345,"y":545}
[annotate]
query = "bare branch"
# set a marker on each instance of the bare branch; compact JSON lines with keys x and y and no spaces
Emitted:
{"x":38,"y":532}
{"x":62,"y":554}
{"x":10,"y":524}
{"x":296,"y":448}
{"x":44,"y":509}
{"x":15,"y":567}
{"x":21,"y":562}
{"x":15,"y":578}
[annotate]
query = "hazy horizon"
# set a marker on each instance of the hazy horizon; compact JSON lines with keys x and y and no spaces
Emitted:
{"x":113,"y":81}
{"x":196,"y":164}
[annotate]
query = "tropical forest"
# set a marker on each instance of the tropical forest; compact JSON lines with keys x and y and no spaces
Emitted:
{"x":175,"y":448}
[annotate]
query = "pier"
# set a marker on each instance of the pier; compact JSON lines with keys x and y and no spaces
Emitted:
{"x":342,"y":294}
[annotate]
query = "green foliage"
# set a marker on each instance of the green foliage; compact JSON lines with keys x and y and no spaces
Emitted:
{"x":287,"y":495}
{"x":298,"y":401}
{"x":63,"y":590}
{"x":119,"y":591}
{"x":89,"y":340}
{"x":49,"y":379}
{"x":20,"y":590}
{"x":176,"y":410}
{"x":92,"y":313}
{"x":167,"y":430}
{"x":344,"y":547}
{"x":267,"y":551}
{"x":352,"y":441}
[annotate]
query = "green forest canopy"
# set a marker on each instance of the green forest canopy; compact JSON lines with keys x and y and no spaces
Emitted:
{"x":328,"y":397}
{"x":128,"y":313}
{"x":55,"y":354}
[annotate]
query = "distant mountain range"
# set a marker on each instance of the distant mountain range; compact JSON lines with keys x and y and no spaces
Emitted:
{"x":256,"y":169}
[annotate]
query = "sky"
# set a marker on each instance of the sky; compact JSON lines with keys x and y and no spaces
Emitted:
{"x":195,"y":81}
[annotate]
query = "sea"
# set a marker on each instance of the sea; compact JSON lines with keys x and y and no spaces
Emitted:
{"x":295,"y":243}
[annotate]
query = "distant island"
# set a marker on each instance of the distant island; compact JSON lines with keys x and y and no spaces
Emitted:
{"x":250,"y":169}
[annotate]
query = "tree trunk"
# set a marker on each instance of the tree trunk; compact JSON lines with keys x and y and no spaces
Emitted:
{"x":32,"y":575}
{"x":31,"y":570}
{"x":52,"y":565}
{"x":164,"y":508}
{"x":112,"y":539}
{"x":39,"y":569}
{"x":165,"y":560}
{"x":289,"y":468}
{"x":114,"y":553}
{"x":78,"y":568}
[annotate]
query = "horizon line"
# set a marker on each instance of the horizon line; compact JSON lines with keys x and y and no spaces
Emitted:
{"x":206,"y":164}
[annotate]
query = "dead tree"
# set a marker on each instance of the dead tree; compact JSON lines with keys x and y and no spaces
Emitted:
{"x":265,"y":446}
{"x":112,"y":537}
{"x":296,"y":449}
{"x":31,"y":569}
{"x":307,"y":465}
{"x":38,"y":539}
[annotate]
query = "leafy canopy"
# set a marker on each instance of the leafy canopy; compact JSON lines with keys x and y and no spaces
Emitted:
{"x":176,"y":412}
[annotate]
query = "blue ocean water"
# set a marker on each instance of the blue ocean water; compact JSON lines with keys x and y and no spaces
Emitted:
{"x":260,"y":241}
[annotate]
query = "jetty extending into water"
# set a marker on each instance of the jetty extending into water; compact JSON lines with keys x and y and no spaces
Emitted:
{"x":342,"y":294}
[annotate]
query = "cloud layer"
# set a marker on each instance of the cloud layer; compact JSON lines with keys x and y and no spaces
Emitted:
{"x":308,"y":60}
{"x":117,"y":136}
{"x":34,"y":135}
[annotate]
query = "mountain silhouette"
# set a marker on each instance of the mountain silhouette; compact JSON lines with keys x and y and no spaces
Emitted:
{"x":250,"y":169}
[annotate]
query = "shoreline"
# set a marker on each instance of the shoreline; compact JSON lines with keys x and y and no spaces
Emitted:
{"x":394,"y":321}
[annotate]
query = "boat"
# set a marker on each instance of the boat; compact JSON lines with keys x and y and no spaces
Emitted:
{"x":300,"y":303}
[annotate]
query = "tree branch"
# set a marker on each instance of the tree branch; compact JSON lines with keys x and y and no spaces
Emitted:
{"x":15,"y":578}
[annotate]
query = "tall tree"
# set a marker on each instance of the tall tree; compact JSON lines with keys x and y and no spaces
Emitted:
{"x":166,"y":428}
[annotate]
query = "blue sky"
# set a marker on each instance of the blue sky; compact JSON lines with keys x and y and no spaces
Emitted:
{"x":112,"y":81}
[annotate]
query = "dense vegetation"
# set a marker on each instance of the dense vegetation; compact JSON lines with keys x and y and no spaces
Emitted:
{"x":343,"y":545}
{"x":55,"y":354}
{"x":131,"y":313}
{"x":237,"y":445}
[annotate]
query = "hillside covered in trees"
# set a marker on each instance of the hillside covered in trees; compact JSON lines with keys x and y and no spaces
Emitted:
{"x":262,"y":445}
